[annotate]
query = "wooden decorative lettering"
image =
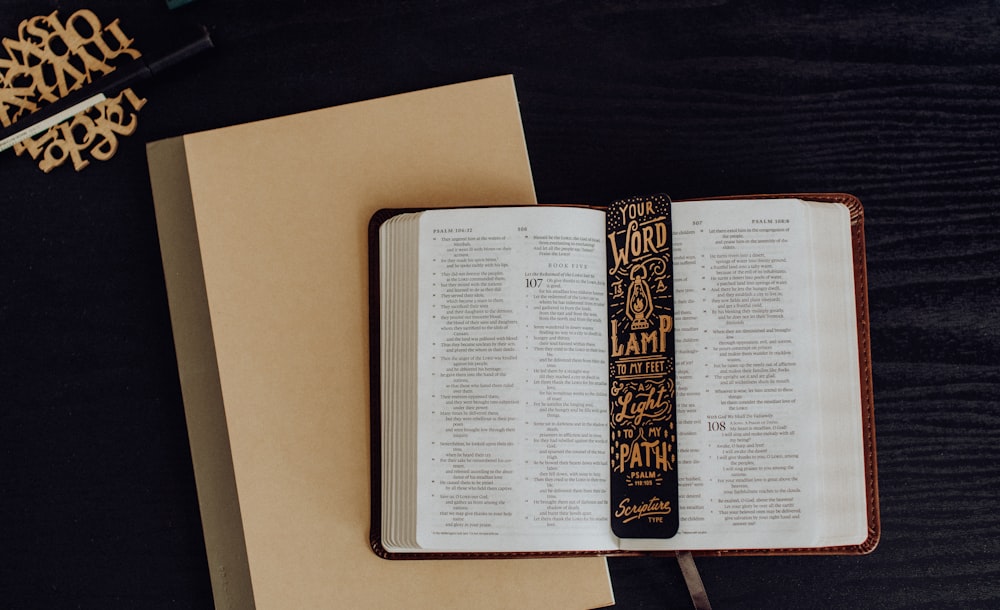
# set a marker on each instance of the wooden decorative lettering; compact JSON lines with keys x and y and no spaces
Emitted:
{"x":52,"y":58}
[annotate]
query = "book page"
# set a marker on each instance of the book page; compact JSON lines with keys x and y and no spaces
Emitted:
{"x":512,"y":440}
{"x":747,"y":398}
{"x":842,"y":502}
{"x":399,"y":370}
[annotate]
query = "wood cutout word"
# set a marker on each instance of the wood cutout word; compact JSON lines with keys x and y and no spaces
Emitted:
{"x":50,"y":59}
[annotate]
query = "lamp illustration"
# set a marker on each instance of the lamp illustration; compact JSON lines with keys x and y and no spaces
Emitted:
{"x":639,"y":300}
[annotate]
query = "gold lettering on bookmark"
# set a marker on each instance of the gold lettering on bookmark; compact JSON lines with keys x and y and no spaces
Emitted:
{"x":642,"y":393}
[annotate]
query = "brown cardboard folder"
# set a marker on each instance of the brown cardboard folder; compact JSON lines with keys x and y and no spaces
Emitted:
{"x":263,"y":232}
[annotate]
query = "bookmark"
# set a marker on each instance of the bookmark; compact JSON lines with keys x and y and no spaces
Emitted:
{"x":641,"y":341}
{"x":696,"y":588}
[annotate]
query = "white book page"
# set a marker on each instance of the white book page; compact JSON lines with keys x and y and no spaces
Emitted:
{"x":843,"y":512}
{"x":398,"y":294}
{"x":746,"y":392}
{"x":513,"y":435}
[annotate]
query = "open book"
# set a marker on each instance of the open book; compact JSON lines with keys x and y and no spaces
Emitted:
{"x":654,"y":377}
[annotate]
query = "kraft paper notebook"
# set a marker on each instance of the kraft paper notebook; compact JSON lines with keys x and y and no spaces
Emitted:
{"x":646,"y":377}
{"x":263,"y":231}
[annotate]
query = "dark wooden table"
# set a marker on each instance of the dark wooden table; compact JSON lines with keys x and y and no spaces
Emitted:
{"x":896,"y":104}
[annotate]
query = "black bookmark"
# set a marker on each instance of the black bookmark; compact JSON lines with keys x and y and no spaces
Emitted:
{"x":642,"y":380}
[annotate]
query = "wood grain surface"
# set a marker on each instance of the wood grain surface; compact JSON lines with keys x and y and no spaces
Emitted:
{"x":893,"y":102}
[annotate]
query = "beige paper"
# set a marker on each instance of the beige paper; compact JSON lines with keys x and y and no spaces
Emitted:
{"x":263,"y":230}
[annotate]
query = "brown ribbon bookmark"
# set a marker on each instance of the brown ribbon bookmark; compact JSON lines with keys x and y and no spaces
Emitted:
{"x":699,"y":596}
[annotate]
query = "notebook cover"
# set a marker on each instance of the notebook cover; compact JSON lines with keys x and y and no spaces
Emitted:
{"x":263,"y":231}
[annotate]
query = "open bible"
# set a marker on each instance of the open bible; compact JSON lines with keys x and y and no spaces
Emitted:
{"x":650,"y":377}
